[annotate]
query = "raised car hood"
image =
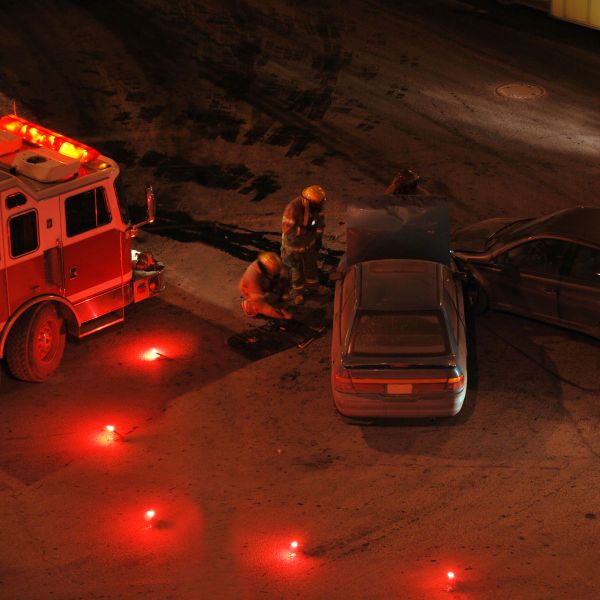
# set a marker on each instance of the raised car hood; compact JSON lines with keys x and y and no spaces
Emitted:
{"x":400,"y":227}
{"x":474,"y":237}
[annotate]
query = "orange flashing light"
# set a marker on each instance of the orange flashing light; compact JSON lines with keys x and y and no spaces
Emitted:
{"x":40,"y":136}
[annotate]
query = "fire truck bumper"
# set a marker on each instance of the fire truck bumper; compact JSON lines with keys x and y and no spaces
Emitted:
{"x":148,"y":283}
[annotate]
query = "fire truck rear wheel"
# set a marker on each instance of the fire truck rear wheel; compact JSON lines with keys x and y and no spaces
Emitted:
{"x":36,"y":343}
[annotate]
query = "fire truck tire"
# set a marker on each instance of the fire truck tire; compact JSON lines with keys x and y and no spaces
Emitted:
{"x":36,"y":343}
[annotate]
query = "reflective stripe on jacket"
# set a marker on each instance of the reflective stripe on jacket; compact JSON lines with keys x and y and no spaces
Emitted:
{"x":302,"y":225}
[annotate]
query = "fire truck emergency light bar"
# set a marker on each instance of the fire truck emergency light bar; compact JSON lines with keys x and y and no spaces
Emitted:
{"x":40,"y":136}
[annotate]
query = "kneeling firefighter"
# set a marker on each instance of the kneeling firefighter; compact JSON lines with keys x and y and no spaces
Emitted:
{"x":263,"y":285}
{"x":302,"y":237}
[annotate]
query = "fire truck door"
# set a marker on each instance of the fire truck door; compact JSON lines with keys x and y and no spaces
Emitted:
{"x":31,"y":254}
{"x":91,"y":244}
{"x":4,"y":313}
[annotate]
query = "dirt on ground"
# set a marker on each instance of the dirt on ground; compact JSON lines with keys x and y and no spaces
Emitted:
{"x":230,"y":109}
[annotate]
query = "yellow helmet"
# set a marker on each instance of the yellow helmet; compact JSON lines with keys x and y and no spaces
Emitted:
{"x":315,"y":194}
{"x":270,"y":263}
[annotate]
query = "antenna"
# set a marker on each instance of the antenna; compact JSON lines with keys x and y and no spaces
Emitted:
{"x":14,"y":107}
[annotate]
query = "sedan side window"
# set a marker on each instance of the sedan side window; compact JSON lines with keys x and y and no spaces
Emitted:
{"x":540,"y":256}
{"x":586,"y":265}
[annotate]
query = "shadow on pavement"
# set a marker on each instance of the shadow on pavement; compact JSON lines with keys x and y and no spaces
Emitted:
{"x":235,"y":240}
{"x":503,"y":387}
{"x":108,"y":378}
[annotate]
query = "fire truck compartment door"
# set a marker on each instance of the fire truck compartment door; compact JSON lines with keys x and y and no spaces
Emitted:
{"x":4,"y":312}
{"x":91,"y":246}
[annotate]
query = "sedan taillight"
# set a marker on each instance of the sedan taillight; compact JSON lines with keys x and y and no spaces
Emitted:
{"x":343,"y":382}
{"x":450,"y":384}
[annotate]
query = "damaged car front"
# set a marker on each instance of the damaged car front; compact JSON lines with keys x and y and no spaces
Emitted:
{"x":546,"y":268}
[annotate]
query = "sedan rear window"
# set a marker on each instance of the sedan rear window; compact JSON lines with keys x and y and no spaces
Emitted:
{"x":400,"y":334}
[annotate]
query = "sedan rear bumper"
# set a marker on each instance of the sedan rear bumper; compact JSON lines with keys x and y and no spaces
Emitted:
{"x":410,"y":406}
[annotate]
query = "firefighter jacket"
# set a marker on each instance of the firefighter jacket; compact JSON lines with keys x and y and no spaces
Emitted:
{"x":302,"y":225}
{"x":256,"y":285}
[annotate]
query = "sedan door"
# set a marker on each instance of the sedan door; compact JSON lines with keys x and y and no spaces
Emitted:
{"x":579,"y":292}
{"x":527,"y":280}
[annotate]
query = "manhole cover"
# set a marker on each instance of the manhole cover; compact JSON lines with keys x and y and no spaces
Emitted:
{"x":520,"y":91}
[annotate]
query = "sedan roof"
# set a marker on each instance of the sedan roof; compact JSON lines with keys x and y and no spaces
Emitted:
{"x":581,"y":223}
{"x":400,"y":284}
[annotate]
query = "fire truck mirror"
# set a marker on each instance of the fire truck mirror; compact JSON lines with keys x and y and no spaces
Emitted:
{"x":151,"y":211}
{"x":151,"y":202}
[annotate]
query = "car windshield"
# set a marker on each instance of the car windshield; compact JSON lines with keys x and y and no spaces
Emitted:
{"x":418,"y":333}
{"x":509,"y":232}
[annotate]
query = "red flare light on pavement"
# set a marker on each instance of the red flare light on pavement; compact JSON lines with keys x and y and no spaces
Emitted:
{"x":451,"y":581}
{"x":108,"y":436}
{"x":294,"y":545}
{"x":151,"y":354}
{"x":267,"y":547}
{"x":111,"y":434}
{"x":149,"y":516}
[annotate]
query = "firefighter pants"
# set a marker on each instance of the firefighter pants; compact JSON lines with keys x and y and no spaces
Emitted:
{"x":259,"y":305}
{"x":303,"y":268}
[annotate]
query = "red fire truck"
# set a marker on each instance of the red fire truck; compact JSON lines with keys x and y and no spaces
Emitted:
{"x":66,"y":263}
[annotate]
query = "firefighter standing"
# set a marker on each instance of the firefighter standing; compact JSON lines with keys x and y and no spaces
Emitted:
{"x":263,"y":284}
{"x":406,"y":182}
{"x":302,"y":227}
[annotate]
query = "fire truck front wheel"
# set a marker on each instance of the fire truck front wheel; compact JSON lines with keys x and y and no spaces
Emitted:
{"x":36,"y":343}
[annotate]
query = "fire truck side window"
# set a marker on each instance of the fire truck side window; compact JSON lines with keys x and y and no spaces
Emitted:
{"x":86,"y":211}
{"x":15,"y":200}
{"x":23,"y":231}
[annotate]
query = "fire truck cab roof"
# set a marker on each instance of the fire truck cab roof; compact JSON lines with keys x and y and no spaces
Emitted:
{"x":45,"y":164}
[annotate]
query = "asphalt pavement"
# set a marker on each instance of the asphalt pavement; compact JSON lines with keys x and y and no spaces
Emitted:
{"x":231,"y":108}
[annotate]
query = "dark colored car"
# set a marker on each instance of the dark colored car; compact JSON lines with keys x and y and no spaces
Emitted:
{"x":545,"y":268}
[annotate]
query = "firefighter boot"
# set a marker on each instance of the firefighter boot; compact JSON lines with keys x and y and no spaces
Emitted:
{"x":297,"y":295}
